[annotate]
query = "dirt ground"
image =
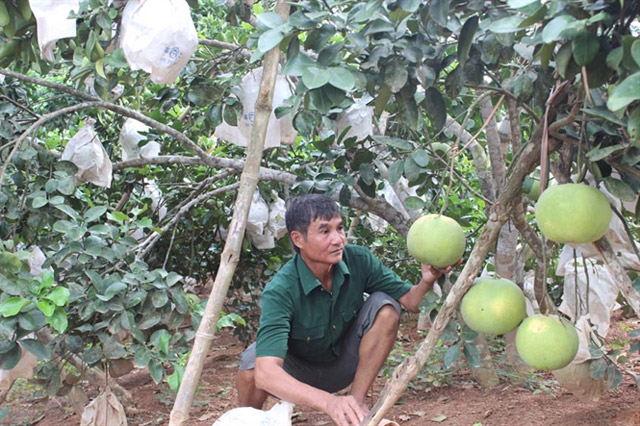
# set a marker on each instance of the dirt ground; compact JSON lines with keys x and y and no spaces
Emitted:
{"x":457,"y":400}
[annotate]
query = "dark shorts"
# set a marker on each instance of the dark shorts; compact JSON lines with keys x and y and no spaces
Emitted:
{"x":339,"y":374}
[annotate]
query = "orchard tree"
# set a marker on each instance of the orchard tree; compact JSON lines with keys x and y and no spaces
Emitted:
{"x":400,"y":108}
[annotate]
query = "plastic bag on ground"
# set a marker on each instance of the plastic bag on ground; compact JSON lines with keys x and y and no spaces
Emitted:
{"x":87,"y":153}
{"x":280,"y":130}
{"x":158,"y":36}
{"x":105,"y":410}
{"x":53,"y":23}
{"x":278,"y":415}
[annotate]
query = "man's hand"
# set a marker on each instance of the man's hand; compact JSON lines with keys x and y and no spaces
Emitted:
{"x":344,"y":410}
{"x":430,"y":274}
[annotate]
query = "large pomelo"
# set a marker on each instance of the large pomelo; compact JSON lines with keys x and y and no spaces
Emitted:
{"x":547,"y":342}
{"x":436,"y":240}
{"x":573,"y":213}
{"x":493,"y":306}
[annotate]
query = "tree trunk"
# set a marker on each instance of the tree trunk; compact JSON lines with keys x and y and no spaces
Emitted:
{"x":233,"y":245}
{"x":498,"y":215}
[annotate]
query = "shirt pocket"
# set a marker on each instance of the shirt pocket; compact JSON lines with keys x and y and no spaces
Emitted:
{"x":351,"y":311}
{"x":307,"y":333}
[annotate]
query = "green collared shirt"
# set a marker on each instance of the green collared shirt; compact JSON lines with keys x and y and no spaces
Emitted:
{"x":300,"y":316}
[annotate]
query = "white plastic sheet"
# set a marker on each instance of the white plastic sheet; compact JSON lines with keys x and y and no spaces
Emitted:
{"x":105,"y":410}
{"x":278,"y":415}
{"x":87,"y":153}
{"x":279,"y":130}
{"x":131,"y":135}
{"x":53,"y":23}
{"x":359,"y":118}
{"x":158,"y":36}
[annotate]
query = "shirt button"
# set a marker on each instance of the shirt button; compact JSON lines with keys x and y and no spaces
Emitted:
{"x":334,"y":326}
{"x":308,"y":338}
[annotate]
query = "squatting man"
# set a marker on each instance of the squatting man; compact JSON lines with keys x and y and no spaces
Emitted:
{"x":317,"y":332}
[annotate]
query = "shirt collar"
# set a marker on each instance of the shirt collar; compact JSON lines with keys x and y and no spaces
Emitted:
{"x":309,"y":281}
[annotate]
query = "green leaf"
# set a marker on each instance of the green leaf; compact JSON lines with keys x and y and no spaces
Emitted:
{"x":635,"y":51}
{"x":614,"y":377}
{"x":68,"y":210}
{"x":465,"y":39}
{"x":341,"y":78}
{"x":633,"y":126}
{"x":161,"y":339}
{"x":112,"y":290}
{"x":402,"y":144}
{"x":520,"y":4}
{"x":585,"y":47}
{"x":625,"y":93}
{"x":94,"y":213}
{"x":175,"y":378}
{"x":270,"y":39}
{"x":12,"y":306}
{"x":598,"y":368}
{"x":47,"y":307}
{"x":156,"y":371}
{"x":598,"y":154}
{"x":39,"y":202}
{"x":296,"y":65}
{"x":141,"y":356}
{"x":620,"y":189}
{"x":471,"y":354}
{"x":58,"y":320}
{"x":173,"y":278}
{"x":414,"y":203}
{"x":435,"y":108}
{"x":560,"y":28}
{"x":270,"y":19}
{"x":395,"y":171}
{"x":507,"y":25}
{"x":421,"y":157}
{"x":395,"y":75}
{"x":439,"y":11}
{"x":615,"y":57}
{"x":59,"y":296}
{"x":10,"y":358}
{"x":36,"y":348}
{"x":111,"y":348}
{"x":314,"y":77}
{"x":452,"y":355}
{"x":159,"y":299}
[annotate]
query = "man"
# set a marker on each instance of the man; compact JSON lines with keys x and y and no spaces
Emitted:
{"x":317,"y":334}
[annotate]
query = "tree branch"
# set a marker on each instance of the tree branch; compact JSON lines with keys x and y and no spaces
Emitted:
{"x":226,"y":46}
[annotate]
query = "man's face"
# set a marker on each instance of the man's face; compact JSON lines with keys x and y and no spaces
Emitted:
{"x":324,"y":242}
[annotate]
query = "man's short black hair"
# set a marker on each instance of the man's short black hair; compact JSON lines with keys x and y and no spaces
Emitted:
{"x":304,"y":209}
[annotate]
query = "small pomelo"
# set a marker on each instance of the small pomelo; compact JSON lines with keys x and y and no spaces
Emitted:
{"x":573,"y":213}
{"x":547,"y":342}
{"x":436,"y":240}
{"x":531,"y":188}
{"x":493,"y":306}
{"x":440,"y":149}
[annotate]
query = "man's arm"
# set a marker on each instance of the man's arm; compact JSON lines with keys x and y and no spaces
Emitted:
{"x":430,"y":274}
{"x":271,"y":377}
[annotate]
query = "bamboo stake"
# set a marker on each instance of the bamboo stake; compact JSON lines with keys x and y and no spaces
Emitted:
{"x":498,"y":215}
{"x":233,"y":245}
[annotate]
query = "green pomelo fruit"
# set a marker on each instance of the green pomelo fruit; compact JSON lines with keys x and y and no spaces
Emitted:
{"x":440,"y":149}
{"x":547,"y":342}
{"x":436,"y":240}
{"x":573,"y":213}
{"x":493,"y":306}
{"x":531,"y":188}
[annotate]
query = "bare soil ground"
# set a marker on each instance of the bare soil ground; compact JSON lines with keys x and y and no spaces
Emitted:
{"x":457,"y":401}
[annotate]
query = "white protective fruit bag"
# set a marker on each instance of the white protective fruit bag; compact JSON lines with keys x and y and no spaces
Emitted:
{"x":280,"y":130}
{"x":53,"y":23}
{"x":87,"y":153}
{"x":278,"y":415}
{"x":158,"y":36}
{"x":130,"y":137}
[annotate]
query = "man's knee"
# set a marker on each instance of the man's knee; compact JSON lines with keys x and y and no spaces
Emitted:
{"x":388,"y":318}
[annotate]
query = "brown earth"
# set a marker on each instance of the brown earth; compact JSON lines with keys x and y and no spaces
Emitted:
{"x":452,"y":399}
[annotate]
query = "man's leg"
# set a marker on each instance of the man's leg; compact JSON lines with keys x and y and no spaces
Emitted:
{"x":248,"y":394}
{"x":374,"y":348}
